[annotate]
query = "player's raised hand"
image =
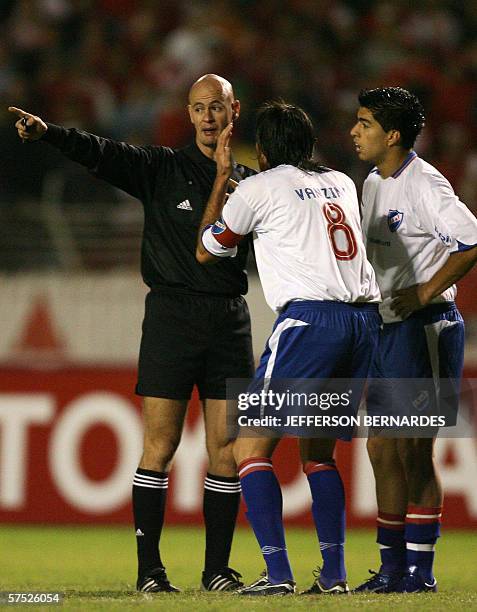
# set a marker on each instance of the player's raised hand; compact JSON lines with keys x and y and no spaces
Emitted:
{"x":30,"y":127}
{"x":223,"y":152}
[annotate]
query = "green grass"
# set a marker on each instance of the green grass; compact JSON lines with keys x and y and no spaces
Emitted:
{"x":95,"y":568}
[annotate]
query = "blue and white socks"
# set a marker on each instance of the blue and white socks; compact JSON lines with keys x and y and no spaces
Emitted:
{"x":328,"y":509}
{"x":263,"y":497}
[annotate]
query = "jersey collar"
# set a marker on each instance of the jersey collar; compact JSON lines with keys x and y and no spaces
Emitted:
{"x":410,"y":158}
{"x":196,"y":154}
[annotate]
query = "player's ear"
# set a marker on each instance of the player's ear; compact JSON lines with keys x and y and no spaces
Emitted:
{"x":235,"y":110}
{"x":189,"y":108}
{"x":394,"y":138}
{"x":261,"y":158}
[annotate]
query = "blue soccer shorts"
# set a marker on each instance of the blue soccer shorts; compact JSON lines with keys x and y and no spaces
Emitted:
{"x":313,"y":345}
{"x":427,"y":350}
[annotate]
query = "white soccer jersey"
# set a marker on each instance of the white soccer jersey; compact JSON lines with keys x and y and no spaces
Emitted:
{"x":308,"y":242}
{"x":412,"y":222}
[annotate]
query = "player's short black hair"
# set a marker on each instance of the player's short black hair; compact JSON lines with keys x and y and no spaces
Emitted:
{"x":395,"y":108}
{"x":284,"y":133}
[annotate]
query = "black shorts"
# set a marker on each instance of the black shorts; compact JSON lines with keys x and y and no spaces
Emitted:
{"x":193,"y":339}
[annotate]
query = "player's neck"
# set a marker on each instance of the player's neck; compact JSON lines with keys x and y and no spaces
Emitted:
{"x":393,"y":161}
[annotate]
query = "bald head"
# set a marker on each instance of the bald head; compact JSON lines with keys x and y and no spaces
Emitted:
{"x":211,"y":107}
{"x":212,"y":82}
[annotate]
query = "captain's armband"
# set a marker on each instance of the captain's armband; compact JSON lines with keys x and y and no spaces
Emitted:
{"x":219,"y":240}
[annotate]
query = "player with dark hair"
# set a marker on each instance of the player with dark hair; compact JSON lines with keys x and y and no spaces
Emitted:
{"x":196,"y":328}
{"x":315,"y":275}
{"x":286,"y":133}
{"x":420,"y":240}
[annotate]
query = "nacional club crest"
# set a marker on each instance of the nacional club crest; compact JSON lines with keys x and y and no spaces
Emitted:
{"x":395,"y":218}
{"x":219,"y":227}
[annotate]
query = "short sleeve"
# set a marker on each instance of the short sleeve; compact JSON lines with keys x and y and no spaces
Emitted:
{"x":238,"y":215}
{"x":443,"y":215}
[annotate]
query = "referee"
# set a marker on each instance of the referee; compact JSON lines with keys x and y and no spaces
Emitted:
{"x":196,"y":328}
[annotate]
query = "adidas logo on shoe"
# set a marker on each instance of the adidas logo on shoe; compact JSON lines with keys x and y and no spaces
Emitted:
{"x":185,"y":205}
{"x":226,"y":579}
{"x":155,"y":582}
{"x":139,"y":532}
{"x":263,"y":587}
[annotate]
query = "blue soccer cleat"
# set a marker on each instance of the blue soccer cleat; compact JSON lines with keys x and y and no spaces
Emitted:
{"x":379,"y":583}
{"x":412,"y":582}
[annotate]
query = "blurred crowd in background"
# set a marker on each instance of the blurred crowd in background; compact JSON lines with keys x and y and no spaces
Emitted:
{"x":122,"y":68}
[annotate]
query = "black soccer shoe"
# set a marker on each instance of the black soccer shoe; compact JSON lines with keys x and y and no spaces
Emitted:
{"x":155,"y":582}
{"x":263,"y":587}
{"x":227,"y":579}
{"x":379,"y":583}
{"x":411,"y":582}
{"x":340,"y":587}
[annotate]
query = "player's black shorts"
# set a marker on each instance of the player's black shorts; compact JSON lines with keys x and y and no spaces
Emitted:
{"x":193,"y":339}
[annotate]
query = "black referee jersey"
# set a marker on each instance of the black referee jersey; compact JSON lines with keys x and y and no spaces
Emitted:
{"x":174,"y":187}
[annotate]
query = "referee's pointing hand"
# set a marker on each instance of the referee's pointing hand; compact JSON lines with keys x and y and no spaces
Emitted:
{"x":30,"y":127}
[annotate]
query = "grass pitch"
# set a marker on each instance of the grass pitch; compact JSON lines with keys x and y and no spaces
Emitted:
{"x":95,"y":569}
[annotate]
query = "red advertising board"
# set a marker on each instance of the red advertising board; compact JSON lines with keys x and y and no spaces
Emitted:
{"x":71,"y":438}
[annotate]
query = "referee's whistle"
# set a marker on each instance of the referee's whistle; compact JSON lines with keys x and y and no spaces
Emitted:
{"x":24,"y":123}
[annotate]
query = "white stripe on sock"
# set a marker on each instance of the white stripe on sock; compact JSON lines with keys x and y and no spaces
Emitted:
{"x":219,"y":490}
{"x":149,"y":486}
{"x":423,"y":516}
{"x":151,"y":479}
{"x":420,"y":547}
{"x":325,"y":545}
{"x":153,"y":482}
{"x":253,"y":465}
{"x":138,"y":481}
{"x":231,"y":486}
{"x":381,"y":520}
{"x":269,"y":550}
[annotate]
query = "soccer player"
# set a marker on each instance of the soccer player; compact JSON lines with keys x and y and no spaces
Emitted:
{"x":314,"y":272}
{"x":420,"y":240}
{"x":196,"y":328}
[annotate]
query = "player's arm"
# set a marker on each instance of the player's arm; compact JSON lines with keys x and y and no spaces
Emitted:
{"x":412,"y":298}
{"x":133,"y":169}
{"x":215,"y":239}
{"x":442,"y":215}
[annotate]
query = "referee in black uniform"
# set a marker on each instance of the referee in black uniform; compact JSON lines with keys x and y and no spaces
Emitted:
{"x":196,"y":328}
